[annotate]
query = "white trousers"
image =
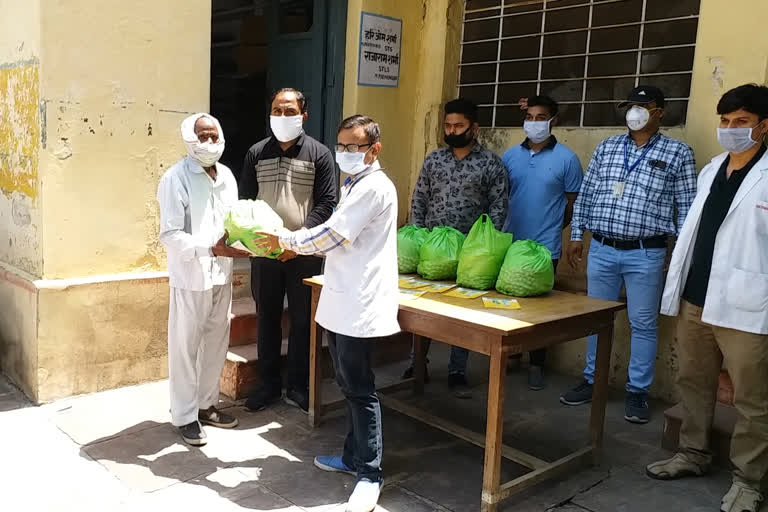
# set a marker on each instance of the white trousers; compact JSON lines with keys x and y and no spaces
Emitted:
{"x":198,"y":338}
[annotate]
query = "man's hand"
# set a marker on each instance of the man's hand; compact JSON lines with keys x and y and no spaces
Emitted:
{"x":575,"y":253}
{"x":222,"y":249}
{"x":267,"y":242}
{"x":286,"y":256}
{"x":523,"y":103}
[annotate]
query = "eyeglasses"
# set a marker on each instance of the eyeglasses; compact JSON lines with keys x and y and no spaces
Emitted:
{"x":350,"y":148}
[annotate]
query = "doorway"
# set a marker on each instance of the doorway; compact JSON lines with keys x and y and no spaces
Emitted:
{"x":260,"y":46}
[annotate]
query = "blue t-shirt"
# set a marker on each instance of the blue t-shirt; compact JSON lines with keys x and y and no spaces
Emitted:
{"x":537,"y":186}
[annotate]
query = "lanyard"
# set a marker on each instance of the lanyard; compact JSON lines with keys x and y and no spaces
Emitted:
{"x":631,"y":168}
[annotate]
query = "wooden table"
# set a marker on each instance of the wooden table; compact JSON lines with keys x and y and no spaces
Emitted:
{"x":541,"y":322}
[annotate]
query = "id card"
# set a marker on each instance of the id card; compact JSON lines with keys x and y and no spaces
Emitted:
{"x":465,"y":293}
{"x":494,"y":303}
{"x":618,"y":189}
{"x":412,"y":284}
{"x":439,"y":288}
{"x":411,"y":294}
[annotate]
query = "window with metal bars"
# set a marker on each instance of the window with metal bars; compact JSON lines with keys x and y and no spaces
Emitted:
{"x":586,"y":54}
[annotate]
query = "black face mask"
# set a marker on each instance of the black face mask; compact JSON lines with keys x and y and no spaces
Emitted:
{"x":459,"y":140}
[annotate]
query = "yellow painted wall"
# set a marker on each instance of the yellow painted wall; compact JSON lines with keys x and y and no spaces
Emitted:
{"x":20,"y":213}
{"x":117,"y":81}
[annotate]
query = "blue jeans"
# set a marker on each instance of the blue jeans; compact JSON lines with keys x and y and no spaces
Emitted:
{"x":352,"y":364}
{"x":458,"y":362}
{"x":641,"y":271}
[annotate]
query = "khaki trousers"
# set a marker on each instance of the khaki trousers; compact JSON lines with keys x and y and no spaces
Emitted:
{"x":702,"y":350}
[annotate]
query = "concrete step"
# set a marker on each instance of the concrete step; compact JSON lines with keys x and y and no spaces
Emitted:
{"x":245,"y":322}
{"x":241,"y":279}
{"x":241,"y":375}
{"x":722,"y":429}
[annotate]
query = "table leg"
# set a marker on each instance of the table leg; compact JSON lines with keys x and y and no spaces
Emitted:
{"x":315,"y":363}
{"x":419,"y":363}
{"x":494,"y":429}
{"x":600,"y":390}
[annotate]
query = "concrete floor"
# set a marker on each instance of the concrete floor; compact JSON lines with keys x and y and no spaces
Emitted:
{"x":116,"y":451}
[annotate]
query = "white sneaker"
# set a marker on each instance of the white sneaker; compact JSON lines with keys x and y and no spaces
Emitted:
{"x":364,"y":497}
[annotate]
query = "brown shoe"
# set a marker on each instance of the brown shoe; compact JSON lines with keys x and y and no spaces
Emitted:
{"x":741,"y":498}
{"x":216,"y":418}
{"x":678,"y":466}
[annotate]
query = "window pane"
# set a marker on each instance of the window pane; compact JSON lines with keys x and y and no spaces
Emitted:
{"x":673,"y":86}
{"x":480,"y":94}
{"x":511,"y":93}
{"x":516,"y":71}
{"x":484,"y":116}
{"x":616,"y":13}
{"x":603,"y":114}
{"x":482,"y":4}
{"x":296,"y":16}
{"x":660,"y":61}
{"x":659,"y":9}
{"x":675,"y":113}
{"x":616,"y":89}
{"x":620,"y":38}
{"x":569,"y":115}
{"x":485,"y":29}
{"x":514,"y":6}
{"x":482,"y":14}
{"x":670,"y":33}
{"x":478,"y":74}
{"x":567,"y":19}
{"x":563,"y":91}
{"x":565,"y":44}
{"x":522,"y":25}
{"x":509,"y":117}
{"x":612,"y":65}
{"x":520,"y":48}
{"x":570,"y":67}
{"x":480,"y":52}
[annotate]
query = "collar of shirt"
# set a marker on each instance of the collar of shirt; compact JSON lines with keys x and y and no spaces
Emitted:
{"x":738,"y":175}
{"x":195,"y":168}
{"x":631,"y":142}
{"x":351,"y":181}
{"x":550,"y":145}
{"x":295,"y":148}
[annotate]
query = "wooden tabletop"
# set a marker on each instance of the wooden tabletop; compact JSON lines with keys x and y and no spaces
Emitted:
{"x":553,"y":307}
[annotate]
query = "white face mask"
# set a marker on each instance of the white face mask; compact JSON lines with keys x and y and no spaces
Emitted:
{"x":637,"y":118}
{"x":736,"y":140}
{"x":286,"y":128}
{"x":351,"y":163}
{"x":537,"y":131}
{"x":205,"y":153}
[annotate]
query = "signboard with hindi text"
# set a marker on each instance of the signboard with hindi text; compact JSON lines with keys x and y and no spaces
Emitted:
{"x":380,"y":43}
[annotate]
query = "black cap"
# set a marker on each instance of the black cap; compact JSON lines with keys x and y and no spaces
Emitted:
{"x":644,"y":94}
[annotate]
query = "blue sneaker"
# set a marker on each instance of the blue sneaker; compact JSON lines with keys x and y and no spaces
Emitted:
{"x":334,"y":464}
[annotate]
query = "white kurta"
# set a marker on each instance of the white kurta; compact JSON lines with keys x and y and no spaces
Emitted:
{"x":192,"y":210}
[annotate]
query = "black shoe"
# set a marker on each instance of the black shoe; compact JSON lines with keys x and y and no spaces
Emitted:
{"x":298,"y":399}
{"x":535,"y":378}
{"x":409,"y":373}
{"x":193,"y":434}
{"x":458,"y":384}
{"x":636,"y":408}
{"x":580,"y":395}
{"x":215,"y":418}
{"x":262,"y":399}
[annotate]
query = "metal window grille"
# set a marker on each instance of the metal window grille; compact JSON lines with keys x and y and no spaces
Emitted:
{"x":586,"y":54}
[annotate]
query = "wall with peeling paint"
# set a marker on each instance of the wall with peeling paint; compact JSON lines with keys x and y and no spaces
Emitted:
{"x":20,"y":209}
{"x":116,"y":81}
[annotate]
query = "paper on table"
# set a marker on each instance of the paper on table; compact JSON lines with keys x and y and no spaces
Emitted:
{"x":412,"y":284}
{"x":439,"y":288}
{"x":496,"y":303}
{"x":465,"y":293}
{"x":411,"y":294}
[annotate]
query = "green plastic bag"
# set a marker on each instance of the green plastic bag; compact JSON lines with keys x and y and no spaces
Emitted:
{"x":409,"y":241}
{"x":247,"y":216}
{"x":482,"y":255}
{"x":439,"y":254}
{"x":527,"y":270}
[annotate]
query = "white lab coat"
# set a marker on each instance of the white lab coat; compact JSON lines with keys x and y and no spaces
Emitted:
{"x":737,"y":296}
{"x":192,"y":210}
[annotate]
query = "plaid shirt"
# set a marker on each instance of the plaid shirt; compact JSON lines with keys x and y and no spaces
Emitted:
{"x":662,"y":184}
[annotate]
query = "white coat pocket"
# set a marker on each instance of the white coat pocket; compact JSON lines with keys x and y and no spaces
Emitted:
{"x":748,"y":291}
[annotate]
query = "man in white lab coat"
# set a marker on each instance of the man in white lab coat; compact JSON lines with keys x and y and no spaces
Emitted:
{"x":718,"y":285}
{"x":195,"y":195}
{"x":359,"y":301}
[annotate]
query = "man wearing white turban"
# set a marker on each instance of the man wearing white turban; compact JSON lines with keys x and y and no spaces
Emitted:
{"x":195,"y":195}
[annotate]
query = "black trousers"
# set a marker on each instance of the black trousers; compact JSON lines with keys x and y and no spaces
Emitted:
{"x":538,"y":357}
{"x":271,"y":280}
{"x":352,"y":364}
